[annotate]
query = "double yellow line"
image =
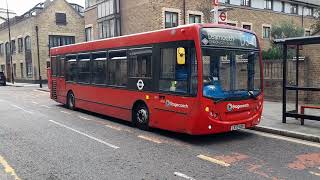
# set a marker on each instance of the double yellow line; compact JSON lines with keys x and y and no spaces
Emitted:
{"x":8,"y":169}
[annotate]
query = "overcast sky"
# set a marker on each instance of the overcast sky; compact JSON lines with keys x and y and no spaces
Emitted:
{"x":22,"y":6}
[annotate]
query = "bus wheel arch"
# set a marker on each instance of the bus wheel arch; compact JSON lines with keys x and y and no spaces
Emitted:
{"x":140,"y":115}
{"x":71,"y":100}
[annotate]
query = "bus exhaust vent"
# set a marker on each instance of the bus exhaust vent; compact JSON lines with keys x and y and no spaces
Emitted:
{"x":54,"y":89}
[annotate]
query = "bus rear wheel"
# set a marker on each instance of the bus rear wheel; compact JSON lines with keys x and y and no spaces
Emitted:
{"x":141,"y":117}
{"x":71,"y":101}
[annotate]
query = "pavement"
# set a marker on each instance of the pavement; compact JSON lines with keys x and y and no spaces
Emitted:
{"x":272,"y":123}
{"x":40,"y":139}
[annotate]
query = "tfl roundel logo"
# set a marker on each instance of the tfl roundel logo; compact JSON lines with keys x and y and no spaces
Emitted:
{"x":229,"y":107}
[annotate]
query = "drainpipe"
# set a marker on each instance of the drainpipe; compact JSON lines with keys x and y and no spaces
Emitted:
{"x":38,"y":53}
{"x":184,"y":11}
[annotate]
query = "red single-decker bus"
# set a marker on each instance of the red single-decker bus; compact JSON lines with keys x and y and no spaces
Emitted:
{"x":195,"y":79}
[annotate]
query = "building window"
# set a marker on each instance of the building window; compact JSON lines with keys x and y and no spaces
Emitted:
{"x":21,"y":70}
{"x":227,"y":2}
{"x":283,"y":6}
{"x":171,"y":19}
{"x":55,"y":41}
{"x":109,"y":28}
{"x":29,"y":69}
{"x":307,"y":33}
{"x":61,"y":18}
{"x":194,"y":18}
{"x":308,"y":11}
{"x":268,"y":4}
{"x":20,"y":45}
{"x":107,"y":8}
{"x":89,"y":3}
{"x":14,"y":70}
{"x":246,"y":3}
{"x":27,"y":43}
{"x":266,"y":32}
{"x":246,"y":26}
{"x":294,"y":9}
{"x":88,"y":32}
{"x":3,"y":68}
{"x":13,"y":46}
{"x":1,"y":49}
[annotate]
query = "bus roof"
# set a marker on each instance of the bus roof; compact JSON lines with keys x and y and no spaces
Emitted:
{"x":184,"y":32}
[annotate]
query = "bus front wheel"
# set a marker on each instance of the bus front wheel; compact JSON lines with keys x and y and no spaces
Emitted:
{"x":71,"y":101}
{"x":141,"y":117}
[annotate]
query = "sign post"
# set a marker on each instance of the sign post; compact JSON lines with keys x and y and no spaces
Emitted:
{"x":216,"y":11}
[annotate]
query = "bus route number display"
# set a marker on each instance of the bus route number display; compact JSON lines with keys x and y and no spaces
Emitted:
{"x":228,"y":38}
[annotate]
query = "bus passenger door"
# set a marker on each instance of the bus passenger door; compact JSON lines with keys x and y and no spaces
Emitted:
{"x":60,"y":80}
{"x":174,"y":103}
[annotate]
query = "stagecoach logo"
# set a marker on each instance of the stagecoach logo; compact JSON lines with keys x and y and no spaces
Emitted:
{"x":231,"y":107}
{"x":172,"y":104}
{"x":140,"y":84}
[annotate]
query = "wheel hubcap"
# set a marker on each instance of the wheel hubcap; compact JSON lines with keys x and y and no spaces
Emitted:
{"x":142,"y":116}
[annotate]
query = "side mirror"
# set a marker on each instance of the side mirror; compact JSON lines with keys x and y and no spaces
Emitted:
{"x":181,"y":56}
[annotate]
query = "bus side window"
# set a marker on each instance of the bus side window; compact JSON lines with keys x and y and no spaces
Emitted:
{"x":84,"y":68}
{"x":118,"y":68}
{"x":71,"y":69}
{"x":173,"y":76}
{"x":140,"y":63}
{"x":62,"y":66}
{"x":99,"y":68}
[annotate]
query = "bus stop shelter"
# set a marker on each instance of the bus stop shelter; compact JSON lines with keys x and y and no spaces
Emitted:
{"x":296,"y":43}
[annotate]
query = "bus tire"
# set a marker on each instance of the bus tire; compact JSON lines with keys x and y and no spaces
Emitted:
{"x":71,"y":101}
{"x":141,"y":116}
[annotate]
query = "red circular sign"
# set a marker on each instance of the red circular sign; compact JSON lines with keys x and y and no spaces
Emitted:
{"x":223,"y":16}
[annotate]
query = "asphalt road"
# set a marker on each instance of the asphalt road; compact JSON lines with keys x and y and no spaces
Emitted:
{"x":40,"y":139}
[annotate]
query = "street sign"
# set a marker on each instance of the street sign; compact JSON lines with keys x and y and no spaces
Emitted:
{"x":222,"y":17}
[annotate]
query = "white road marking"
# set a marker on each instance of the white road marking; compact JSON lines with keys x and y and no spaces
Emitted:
{"x":113,"y":127}
{"x":183,"y":175}
{"x":86,"y":135}
{"x":314,"y":173}
{"x":289,"y":139}
{"x":34,"y":102}
{"x":21,"y":109}
{"x":213,"y":160}
{"x":46,"y":106}
{"x":65,"y":112}
{"x":41,"y":91}
{"x":84,"y":118}
{"x":149,"y":139}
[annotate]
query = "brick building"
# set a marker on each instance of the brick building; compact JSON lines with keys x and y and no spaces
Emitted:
{"x":108,"y":18}
{"x":58,"y":23}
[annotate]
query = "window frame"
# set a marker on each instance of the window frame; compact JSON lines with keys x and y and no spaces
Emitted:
{"x":263,"y":31}
{"x":267,"y":3}
{"x":246,"y":3}
{"x":171,"y":13}
{"x":130,"y":64}
{"x":294,"y":7}
{"x":61,"y":18}
{"x":194,"y":16}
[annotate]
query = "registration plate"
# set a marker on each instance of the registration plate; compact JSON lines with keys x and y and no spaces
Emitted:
{"x":237,"y":127}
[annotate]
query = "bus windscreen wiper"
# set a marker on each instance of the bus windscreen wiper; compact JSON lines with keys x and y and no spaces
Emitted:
{"x":251,"y":95}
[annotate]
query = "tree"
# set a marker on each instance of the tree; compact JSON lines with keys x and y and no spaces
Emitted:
{"x":280,"y":31}
{"x":286,"y":30}
{"x":316,"y":27}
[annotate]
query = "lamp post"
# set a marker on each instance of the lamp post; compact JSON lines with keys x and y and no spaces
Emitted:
{"x":10,"y":43}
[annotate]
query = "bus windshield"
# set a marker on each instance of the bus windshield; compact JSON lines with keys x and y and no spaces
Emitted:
{"x":232,"y":72}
